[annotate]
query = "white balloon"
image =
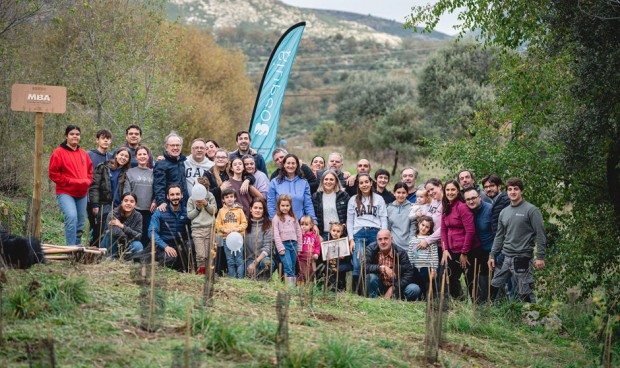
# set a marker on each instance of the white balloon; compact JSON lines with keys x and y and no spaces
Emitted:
{"x":199,"y":192}
{"x":234,"y":241}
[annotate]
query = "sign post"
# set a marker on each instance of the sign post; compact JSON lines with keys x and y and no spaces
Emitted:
{"x":38,"y":99}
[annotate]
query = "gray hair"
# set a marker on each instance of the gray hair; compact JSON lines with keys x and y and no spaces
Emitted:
{"x":337,"y":154}
{"x":172,"y":134}
{"x":279,"y":150}
{"x":415,"y":171}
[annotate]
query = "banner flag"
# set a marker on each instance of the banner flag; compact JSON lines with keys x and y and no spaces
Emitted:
{"x":266,"y":116}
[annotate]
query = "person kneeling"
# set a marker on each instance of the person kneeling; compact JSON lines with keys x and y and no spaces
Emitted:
{"x":388,"y":270}
{"x":124,"y":228}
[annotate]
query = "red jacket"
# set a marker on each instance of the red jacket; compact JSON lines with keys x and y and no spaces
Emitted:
{"x":458,"y":230}
{"x":71,"y":170}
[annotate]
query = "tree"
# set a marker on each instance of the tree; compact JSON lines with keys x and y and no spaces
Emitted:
{"x":403,"y":132}
{"x":453,"y":82}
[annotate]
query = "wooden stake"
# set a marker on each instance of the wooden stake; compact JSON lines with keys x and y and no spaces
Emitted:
{"x":152,"y":291}
{"x":188,"y":335}
{"x":34,"y":224}
{"x":474,"y":290}
{"x":489,"y":293}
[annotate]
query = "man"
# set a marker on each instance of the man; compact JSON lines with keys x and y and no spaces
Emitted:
{"x":278,"y":156}
{"x":520,"y":228}
{"x":466,"y":180}
{"x":409,"y":176}
{"x":98,"y":155}
{"x":261,"y":182}
{"x":482,"y":220}
{"x":170,"y":170}
{"x":382,"y":178}
{"x":170,"y":231}
{"x":133,"y":137}
{"x":492,"y":185}
{"x":363,"y":167}
{"x":335,"y":162}
{"x":243,"y":148}
{"x":197,"y":164}
{"x":389,"y":271}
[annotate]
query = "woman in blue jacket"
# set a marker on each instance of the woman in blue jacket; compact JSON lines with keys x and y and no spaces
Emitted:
{"x":290,"y":180}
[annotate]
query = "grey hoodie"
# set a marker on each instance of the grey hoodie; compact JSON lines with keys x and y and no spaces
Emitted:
{"x":194,"y":170}
{"x":400,"y":225}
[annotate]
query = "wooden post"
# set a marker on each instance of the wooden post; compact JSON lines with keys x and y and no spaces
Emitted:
{"x":34,"y":224}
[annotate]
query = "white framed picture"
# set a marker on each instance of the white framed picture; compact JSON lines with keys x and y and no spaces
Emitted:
{"x":335,"y":248}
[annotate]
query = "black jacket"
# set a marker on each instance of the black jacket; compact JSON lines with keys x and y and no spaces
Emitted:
{"x":402,"y":266}
{"x":100,"y":190}
{"x":342,"y":200}
{"x":499,"y":203}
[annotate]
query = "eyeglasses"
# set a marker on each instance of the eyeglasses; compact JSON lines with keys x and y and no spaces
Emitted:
{"x":174,"y":145}
{"x":472,"y":199}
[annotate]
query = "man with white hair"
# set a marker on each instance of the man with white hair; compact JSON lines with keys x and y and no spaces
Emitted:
{"x":170,"y":170}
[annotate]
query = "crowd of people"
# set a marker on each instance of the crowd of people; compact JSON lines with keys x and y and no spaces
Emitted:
{"x":397,"y":243}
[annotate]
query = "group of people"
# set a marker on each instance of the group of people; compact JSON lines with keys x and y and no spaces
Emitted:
{"x":225,"y":204}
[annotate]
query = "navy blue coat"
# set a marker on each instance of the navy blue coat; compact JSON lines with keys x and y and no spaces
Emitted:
{"x":167,"y":172}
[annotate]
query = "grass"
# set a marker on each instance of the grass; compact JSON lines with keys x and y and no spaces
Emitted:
{"x":93,"y":314}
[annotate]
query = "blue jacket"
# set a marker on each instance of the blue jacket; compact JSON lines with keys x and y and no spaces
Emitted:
{"x":298,"y":189}
{"x":482,"y":219}
{"x":171,"y":227}
{"x":166,"y":172}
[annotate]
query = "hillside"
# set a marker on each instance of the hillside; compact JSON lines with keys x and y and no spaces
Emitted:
{"x":95,"y":315}
{"x":336,"y":46}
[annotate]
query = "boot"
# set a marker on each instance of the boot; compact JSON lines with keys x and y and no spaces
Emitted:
{"x":355,"y":284}
{"x":202,"y":270}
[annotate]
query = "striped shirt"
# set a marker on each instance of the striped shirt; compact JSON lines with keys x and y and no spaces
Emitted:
{"x":422,"y":258}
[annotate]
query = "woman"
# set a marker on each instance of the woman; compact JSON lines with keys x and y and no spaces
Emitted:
{"x":212,"y":148}
{"x":366,"y":215}
{"x":258,"y":239}
{"x":317,"y":164}
{"x":218,"y":175}
{"x":458,"y":239}
{"x":290,"y":180}
{"x":242,"y":183}
{"x":330,"y":203}
{"x":124,"y":227}
{"x":71,"y":170}
{"x":107,"y":187}
{"x":139,"y":181}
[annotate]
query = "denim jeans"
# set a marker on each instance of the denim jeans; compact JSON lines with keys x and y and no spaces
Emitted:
{"x":362,"y":238}
{"x":74,"y":210}
{"x":134,"y":248}
{"x":289,"y":258}
{"x":374,"y":286}
{"x":234,"y":261}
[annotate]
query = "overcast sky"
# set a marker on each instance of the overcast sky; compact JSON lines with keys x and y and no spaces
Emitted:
{"x":389,"y":9}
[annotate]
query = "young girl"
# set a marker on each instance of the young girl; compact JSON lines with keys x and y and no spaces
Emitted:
{"x":309,"y":251}
{"x":231,"y":218}
{"x":399,"y":222}
{"x":107,"y":187}
{"x":338,"y":268}
{"x":202,"y":214}
{"x":420,"y":207}
{"x":422,"y":256}
{"x":287,"y":236}
{"x":258,"y":237}
{"x":366,"y":215}
{"x":243,"y":184}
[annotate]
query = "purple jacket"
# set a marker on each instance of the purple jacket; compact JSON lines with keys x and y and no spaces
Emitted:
{"x":458,"y":230}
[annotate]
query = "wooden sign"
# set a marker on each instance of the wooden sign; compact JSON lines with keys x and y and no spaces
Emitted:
{"x":335,"y":248}
{"x":39,"y":98}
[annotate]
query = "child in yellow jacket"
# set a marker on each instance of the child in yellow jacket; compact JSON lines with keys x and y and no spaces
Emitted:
{"x":231,"y":219}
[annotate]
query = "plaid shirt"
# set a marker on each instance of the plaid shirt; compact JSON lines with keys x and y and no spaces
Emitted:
{"x":386,"y":260}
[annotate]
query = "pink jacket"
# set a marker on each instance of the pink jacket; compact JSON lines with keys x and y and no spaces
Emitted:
{"x":288,"y":229}
{"x":311,"y":245}
{"x":458,"y":230}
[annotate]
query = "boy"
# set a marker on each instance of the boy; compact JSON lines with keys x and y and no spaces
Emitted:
{"x":229,"y":219}
{"x":98,"y":156}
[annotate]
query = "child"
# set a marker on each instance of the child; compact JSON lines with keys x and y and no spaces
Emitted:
{"x":287,"y":236}
{"x":231,"y":218}
{"x":399,"y":223}
{"x":424,"y":259}
{"x":202,"y":214}
{"x":420,"y":207}
{"x":337,"y":268}
{"x":309,"y":251}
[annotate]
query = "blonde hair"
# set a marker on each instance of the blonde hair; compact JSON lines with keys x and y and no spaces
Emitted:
{"x":307,"y":219}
